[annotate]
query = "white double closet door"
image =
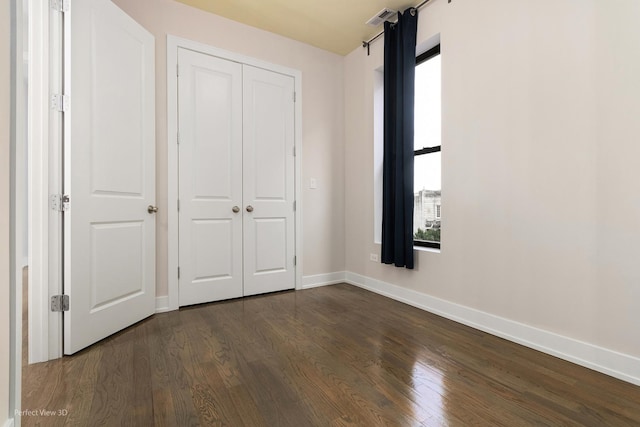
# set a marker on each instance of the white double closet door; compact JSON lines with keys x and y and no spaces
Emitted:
{"x":236,"y":179}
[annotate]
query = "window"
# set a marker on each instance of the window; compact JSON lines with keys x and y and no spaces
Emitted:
{"x":427,"y":165}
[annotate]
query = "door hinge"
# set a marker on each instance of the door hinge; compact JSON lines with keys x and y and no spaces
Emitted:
{"x":59,"y":102}
{"x":178,"y":138}
{"x":177,"y":70}
{"x":178,"y":272}
{"x":59,"y":202}
{"x":178,"y":205}
{"x":295,"y":205}
{"x":295,"y":260}
{"x":60,"y":303}
{"x":294,"y":97}
{"x":60,"y":5}
{"x":294,"y":151}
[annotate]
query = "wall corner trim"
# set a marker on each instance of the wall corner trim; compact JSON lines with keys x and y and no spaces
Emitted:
{"x":162,"y":304}
{"x":622,"y":366}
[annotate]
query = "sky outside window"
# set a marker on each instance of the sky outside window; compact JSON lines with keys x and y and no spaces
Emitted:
{"x":427,"y":125}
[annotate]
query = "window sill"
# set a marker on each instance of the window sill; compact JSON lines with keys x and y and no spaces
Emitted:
{"x":426,"y":249}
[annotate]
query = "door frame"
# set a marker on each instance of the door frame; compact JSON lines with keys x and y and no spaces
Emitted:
{"x":44,"y":179}
{"x":13,"y":211}
{"x":173,"y":44}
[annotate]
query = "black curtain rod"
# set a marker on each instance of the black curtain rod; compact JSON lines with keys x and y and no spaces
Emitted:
{"x":372,"y":39}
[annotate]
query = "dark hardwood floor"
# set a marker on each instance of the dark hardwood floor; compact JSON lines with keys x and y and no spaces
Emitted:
{"x":331,"y":356}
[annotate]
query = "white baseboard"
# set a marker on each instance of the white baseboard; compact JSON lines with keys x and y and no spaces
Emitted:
{"x":323,"y":279}
{"x":615,"y":364}
{"x":9,"y":423}
{"x":308,"y":282}
{"x":162,"y":304}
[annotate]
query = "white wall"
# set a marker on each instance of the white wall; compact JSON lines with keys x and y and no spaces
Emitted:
{"x":541,"y":156}
{"x":617,"y":175}
{"x":323,"y":115}
{"x":4,"y":208}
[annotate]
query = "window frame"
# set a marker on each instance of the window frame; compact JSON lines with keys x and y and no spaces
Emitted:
{"x":424,"y":57}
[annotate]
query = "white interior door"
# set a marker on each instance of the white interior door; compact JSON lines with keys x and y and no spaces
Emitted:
{"x":236,"y":179}
{"x":109,"y":236}
{"x":210,"y":177}
{"x":269,"y":187}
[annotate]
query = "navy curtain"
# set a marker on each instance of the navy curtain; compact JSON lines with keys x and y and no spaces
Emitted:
{"x":399,"y":84}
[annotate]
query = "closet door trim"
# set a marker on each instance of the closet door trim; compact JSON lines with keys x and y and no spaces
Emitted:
{"x":170,"y":215}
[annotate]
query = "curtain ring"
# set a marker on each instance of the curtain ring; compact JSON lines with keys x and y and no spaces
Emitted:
{"x":413,"y":11}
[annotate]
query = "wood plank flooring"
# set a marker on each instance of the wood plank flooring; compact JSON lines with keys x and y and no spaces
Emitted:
{"x":331,"y":356}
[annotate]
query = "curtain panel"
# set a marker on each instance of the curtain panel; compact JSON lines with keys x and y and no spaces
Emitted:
{"x":399,"y":94}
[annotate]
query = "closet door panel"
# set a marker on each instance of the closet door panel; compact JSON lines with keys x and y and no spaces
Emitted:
{"x":210,"y":178}
{"x":269,"y":187}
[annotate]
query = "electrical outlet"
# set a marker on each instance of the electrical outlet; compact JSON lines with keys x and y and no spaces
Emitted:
{"x":313,"y":184}
{"x":373,"y":257}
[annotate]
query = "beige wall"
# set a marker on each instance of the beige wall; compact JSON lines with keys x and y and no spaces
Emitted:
{"x":540,"y":152}
{"x":4,"y":208}
{"x":322,"y":120}
{"x":616,"y":172}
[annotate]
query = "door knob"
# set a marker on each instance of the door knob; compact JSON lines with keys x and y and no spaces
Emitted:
{"x":249,"y":208}
{"x":235,"y":209}
{"x":152,"y":209}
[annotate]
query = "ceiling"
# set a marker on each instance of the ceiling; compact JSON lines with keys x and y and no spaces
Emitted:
{"x":334,"y":25}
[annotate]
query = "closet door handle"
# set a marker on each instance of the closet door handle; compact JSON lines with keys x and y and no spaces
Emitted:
{"x":152,"y":209}
{"x":235,"y":209}
{"x":249,"y":208}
